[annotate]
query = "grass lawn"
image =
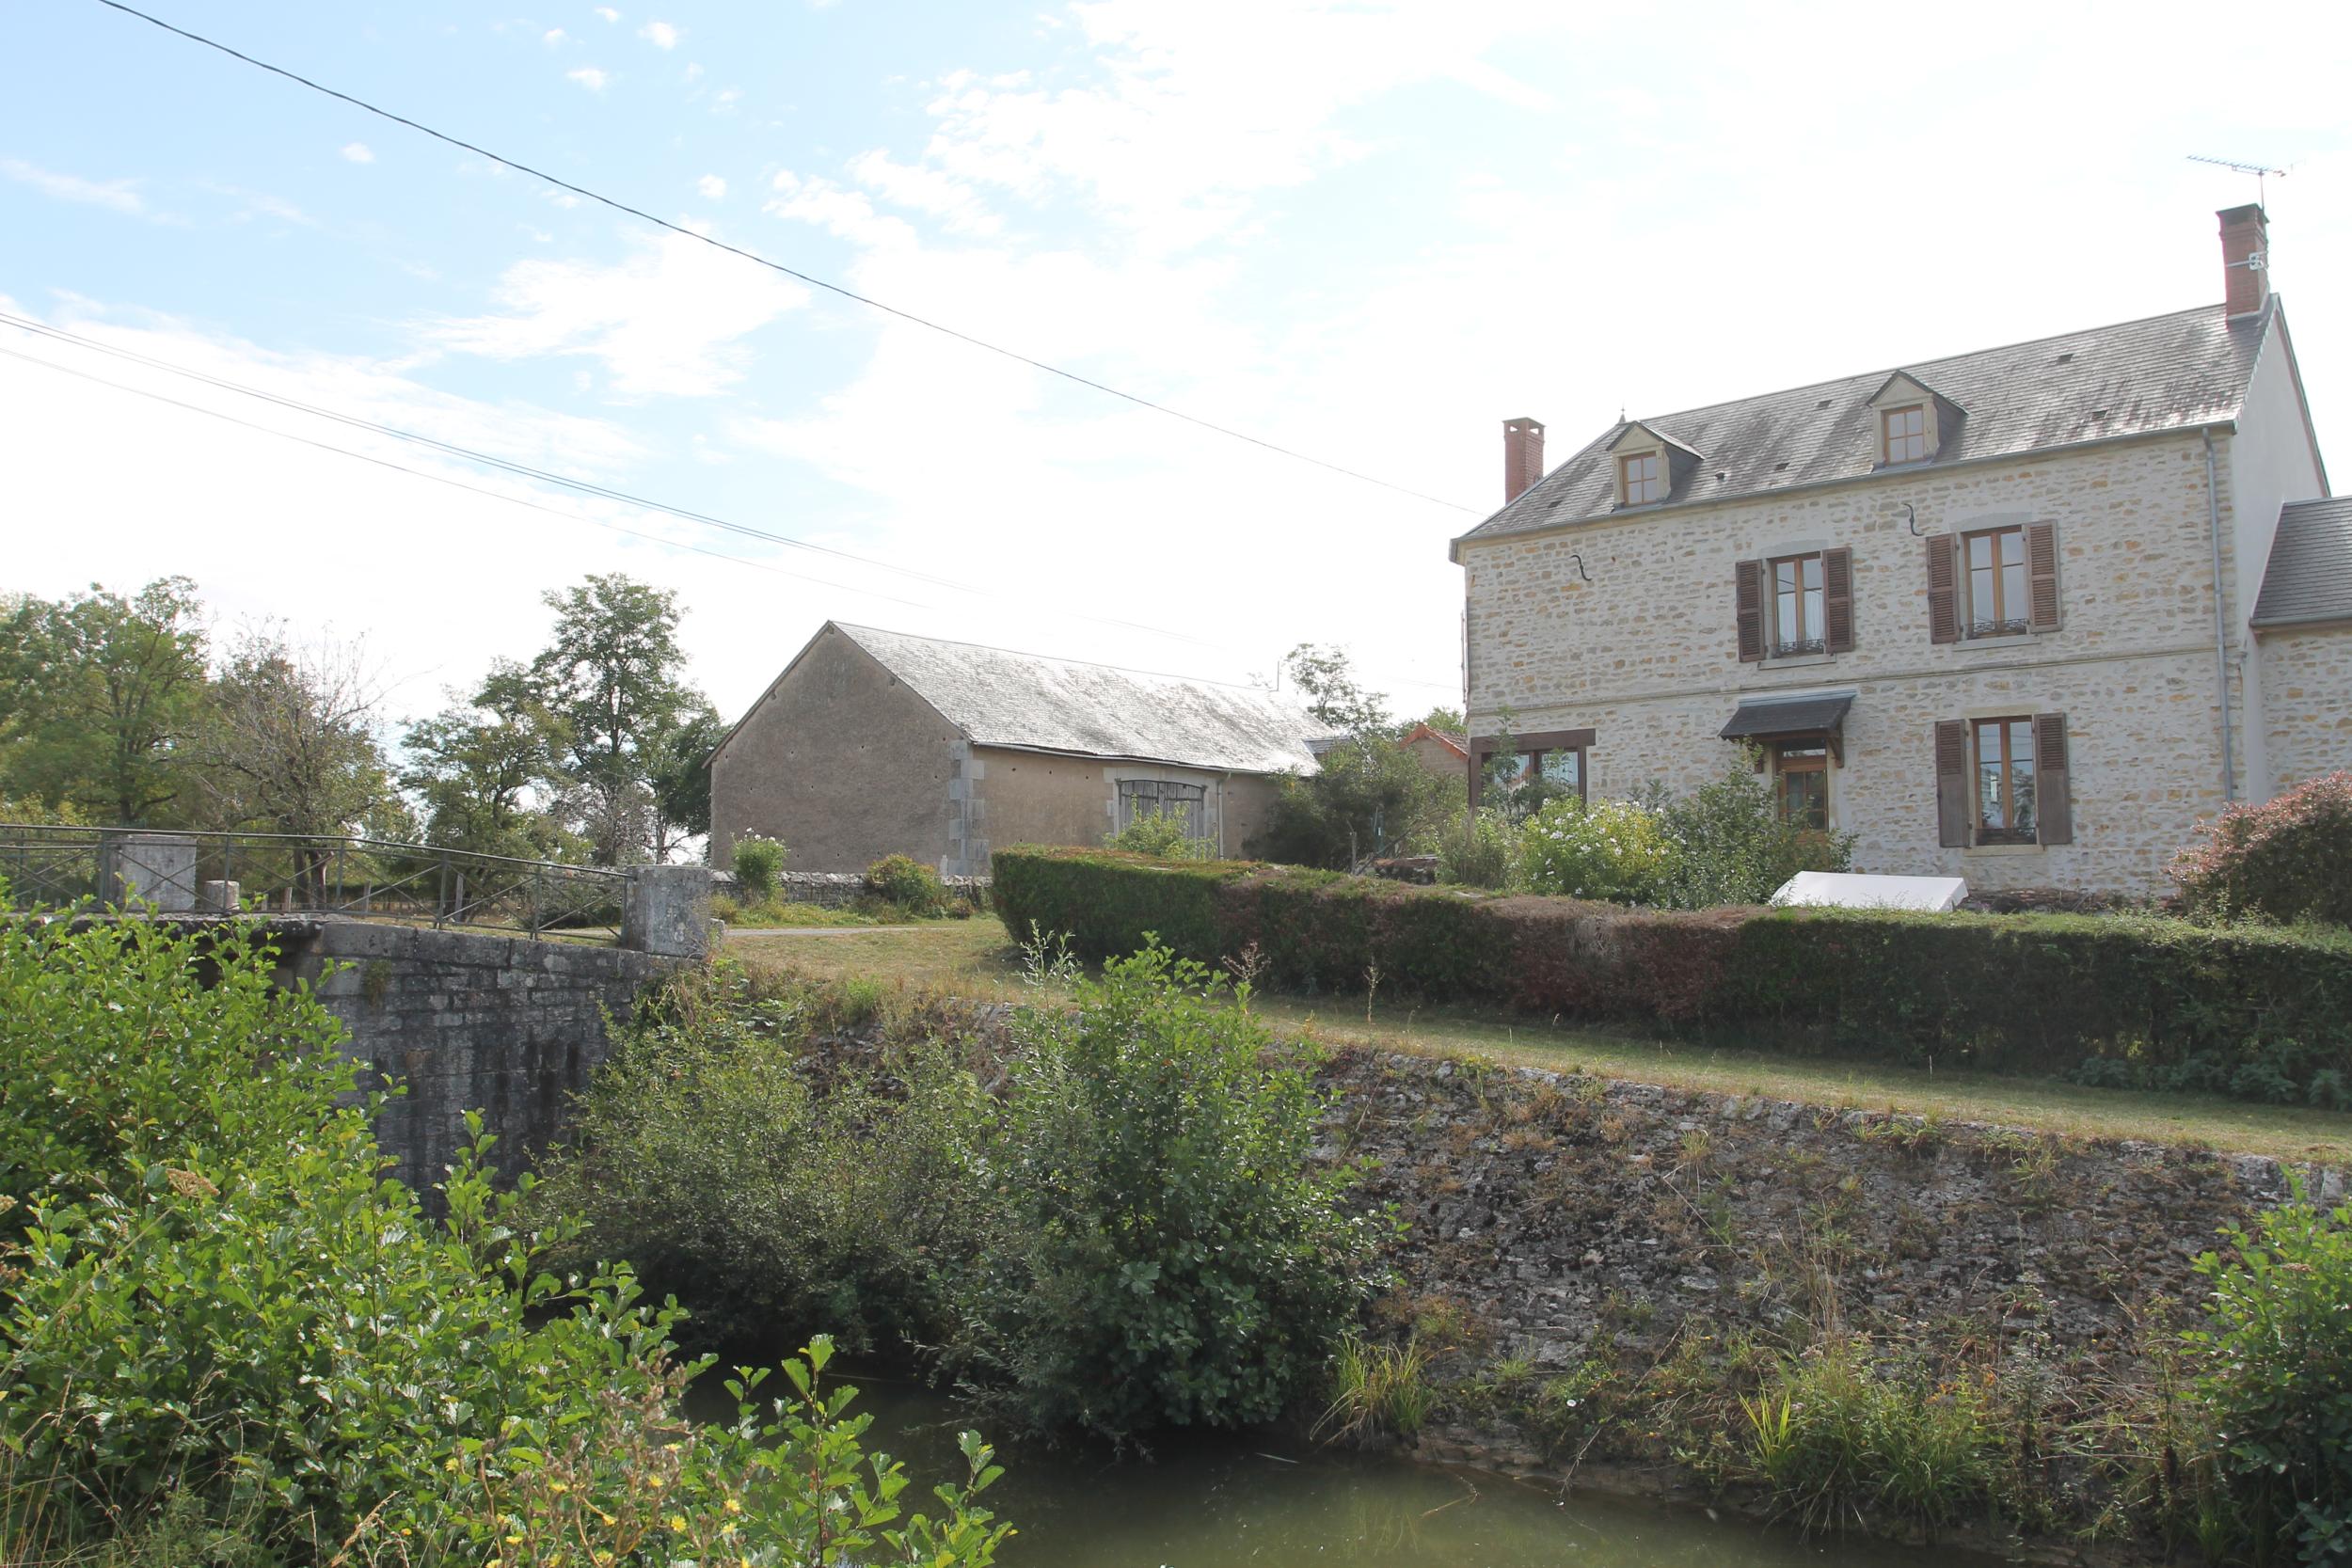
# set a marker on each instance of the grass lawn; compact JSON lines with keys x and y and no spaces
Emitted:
{"x":975,"y":958}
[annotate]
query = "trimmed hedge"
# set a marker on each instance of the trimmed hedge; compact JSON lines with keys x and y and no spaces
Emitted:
{"x":2259,"y":1012}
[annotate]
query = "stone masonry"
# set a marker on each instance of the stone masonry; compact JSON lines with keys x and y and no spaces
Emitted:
{"x":1645,"y":654}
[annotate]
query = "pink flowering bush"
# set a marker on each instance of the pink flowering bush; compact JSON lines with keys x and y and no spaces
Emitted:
{"x":2287,"y":859}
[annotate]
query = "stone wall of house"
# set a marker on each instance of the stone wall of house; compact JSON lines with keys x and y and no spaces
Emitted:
{"x":1646,"y":652}
{"x":2307,"y":701}
{"x":507,"y":1026}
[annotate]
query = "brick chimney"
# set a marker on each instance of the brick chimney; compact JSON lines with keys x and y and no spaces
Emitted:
{"x":2246,"y":259}
{"x":1523,"y":457}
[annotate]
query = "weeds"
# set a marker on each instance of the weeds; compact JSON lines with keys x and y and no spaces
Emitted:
{"x":1375,"y":1389}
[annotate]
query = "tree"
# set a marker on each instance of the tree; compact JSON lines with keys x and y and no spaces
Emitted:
{"x":287,"y":742}
{"x":610,"y":674}
{"x":485,"y":770}
{"x":1369,"y":796}
{"x":681,"y":779}
{"x":1334,"y":699}
{"x":98,"y":696}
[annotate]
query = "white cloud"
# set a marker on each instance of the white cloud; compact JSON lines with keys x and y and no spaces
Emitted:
{"x":694,"y":73}
{"x":727,"y":99}
{"x":712,"y":186}
{"x":660,"y":34}
{"x":120,"y":194}
{"x":667,"y":321}
{"x":552,"y":37}
{"x":608,"y":14}
{"x":359,"y":153}
{"x":590,"y":77}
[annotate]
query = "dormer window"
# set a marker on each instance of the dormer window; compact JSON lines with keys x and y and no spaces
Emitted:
{"x":1905,"y":432}
{"x":1642,"y":478}
{"x":1915,"y":422}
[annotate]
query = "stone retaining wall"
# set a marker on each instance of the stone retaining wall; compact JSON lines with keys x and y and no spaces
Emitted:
{"x":504,"y":1025}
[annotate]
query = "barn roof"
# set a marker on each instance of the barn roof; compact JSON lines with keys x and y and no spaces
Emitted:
{"x":1029,"y":701}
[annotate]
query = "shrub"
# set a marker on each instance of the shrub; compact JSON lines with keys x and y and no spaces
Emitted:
{"x":2276,"y":1378}
{"x":705,"y":1151}
{"x":221,"y":1330}
{"x":2287,"y":859}
{"x":1730,"y":845}
{"x":2254,"y":1012}
{"x":1477,"y":851}
{"x":1105,"y":900}
{"x":1613,"y":850}
{"x":758,"y":861}
{"x":1171,"y":1255}
{"x":1367,"y":796}
{"x":906,"y":883}
{"x":1161,"y":834}
{"x":1835,"y":1438}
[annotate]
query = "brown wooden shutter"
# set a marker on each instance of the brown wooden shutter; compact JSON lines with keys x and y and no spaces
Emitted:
{"x":1837,"y":599}
{"x":2041,"y":575}
{"x":2053,"y":801}
{"x":1748,"y":605}
{"x":1951,"y":784}
{"x":1943,"y":589}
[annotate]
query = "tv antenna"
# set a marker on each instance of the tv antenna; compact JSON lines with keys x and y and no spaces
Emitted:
{"x":2260,"y":171}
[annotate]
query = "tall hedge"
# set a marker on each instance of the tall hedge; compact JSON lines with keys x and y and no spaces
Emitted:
{"x":2261,"y":1012}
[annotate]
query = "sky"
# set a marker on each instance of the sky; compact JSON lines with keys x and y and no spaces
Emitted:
{"x":1366,"y":232}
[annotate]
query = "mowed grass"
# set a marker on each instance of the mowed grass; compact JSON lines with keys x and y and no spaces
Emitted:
{"x":976,"y":958}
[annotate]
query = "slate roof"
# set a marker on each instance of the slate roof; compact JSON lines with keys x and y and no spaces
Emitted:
{"x":1032,"y":703}
{"x":2167,"y":373}
{"x":1787,"y":715}
{"x":2310,"y":575}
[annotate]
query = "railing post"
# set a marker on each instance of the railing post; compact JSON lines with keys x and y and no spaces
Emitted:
{"x":534,"y":899}
{"x":441,"y":895}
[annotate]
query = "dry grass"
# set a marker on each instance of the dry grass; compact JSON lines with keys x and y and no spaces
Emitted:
{"x":975,"y":958}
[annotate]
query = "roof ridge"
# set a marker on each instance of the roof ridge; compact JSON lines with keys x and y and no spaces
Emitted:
{"x":853,"y":628}
{"x":1911,"y":365}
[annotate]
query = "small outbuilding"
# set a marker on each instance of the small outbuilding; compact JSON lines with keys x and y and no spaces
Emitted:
{"x":874,"y":742}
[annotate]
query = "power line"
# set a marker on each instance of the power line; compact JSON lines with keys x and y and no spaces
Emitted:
{"x":868,"y":300}
{"x":537,"y":505}
{"x":549,"y":476}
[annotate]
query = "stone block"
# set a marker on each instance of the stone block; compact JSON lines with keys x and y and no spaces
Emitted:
{"x":667,"y":910}
{"x":148,"y":868}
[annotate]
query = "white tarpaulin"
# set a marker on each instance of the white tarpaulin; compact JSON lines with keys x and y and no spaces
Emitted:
{"x":1848,"y":890}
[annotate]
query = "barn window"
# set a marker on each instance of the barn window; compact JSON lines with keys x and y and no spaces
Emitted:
{"x":1165,"y":797}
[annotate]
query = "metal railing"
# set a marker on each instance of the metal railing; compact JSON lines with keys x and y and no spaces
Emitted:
{"x":371,"y":879}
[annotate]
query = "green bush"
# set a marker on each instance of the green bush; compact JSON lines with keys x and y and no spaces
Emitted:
{"x":906,"y":883}
{"x":1131,"y":1234}
{"x":2277,"y":1376}
{"x":758,"y":862}
{"x":1612,"y":849}
{"x":1105,"y":900}
{"x":1161,"y":834}
{"x":1367,"y":796}
{"x":1477,"y":851}
{"x":2257,"y":1012}
{"x":2289,"y":859}
{"x":1171,"y":1254}
{"x":222,"y":1329}
{"x":1835,"y":1439}
{"x":1730,"y":846}
{"x":707,"y":1153}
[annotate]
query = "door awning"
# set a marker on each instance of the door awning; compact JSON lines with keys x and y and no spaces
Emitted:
{"x":1792,"y":718}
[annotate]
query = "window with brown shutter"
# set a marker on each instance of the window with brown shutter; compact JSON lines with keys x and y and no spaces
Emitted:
{"x":1996,"y":582}
{"x":1951,"y":784}
{"x":2006,"y":802}
{"x":1942,"y":589}
{"x":2053,"y":799}
{"x":2041,"y":568}
{"x":1838,"y":575}
{"x":1748,"y":609}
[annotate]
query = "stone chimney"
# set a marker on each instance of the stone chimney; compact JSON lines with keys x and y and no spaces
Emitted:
{"x":2246,"y":259}
{"x":1523,"y":457}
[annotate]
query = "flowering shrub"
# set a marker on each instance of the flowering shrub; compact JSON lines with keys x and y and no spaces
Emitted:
{"x":1612,"y":849}
{"x":758,"y":861}
{"x":2287,"y":859}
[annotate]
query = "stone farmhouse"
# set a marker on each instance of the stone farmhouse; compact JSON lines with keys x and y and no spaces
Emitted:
{"x":2022,"y":616}
{"x":873,"y":743}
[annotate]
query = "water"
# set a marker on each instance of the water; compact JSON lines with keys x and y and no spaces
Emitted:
{"x":1244,"y":1502}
